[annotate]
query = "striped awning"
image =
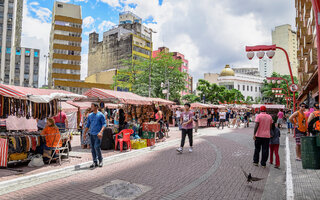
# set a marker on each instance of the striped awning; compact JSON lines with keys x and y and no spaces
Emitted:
{"x":123,"y":97}
{"x":33,"y":94}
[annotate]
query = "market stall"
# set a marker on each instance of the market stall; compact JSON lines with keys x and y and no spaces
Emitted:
{"x":138,"y":111}
{"x":21,"y":106}
{"x":204,"y":111}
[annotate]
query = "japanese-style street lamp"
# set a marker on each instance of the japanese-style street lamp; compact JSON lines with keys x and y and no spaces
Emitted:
{"x":270,"y":49}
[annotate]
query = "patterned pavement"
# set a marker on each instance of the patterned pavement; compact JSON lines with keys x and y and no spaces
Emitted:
{"x":212,"y":171}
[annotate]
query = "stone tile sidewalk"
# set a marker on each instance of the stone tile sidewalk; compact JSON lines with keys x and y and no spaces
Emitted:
{"x":77,"y":156}
{"x":306,"y":182}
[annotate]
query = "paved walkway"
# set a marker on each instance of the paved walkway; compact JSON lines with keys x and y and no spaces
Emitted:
{"x":212,"y":171}
{"x":78,"y":156}
{"x":306,"y":182}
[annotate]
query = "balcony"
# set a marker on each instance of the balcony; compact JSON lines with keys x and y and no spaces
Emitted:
{"x":313,"y":57}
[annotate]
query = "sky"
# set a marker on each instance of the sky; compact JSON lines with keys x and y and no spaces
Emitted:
{"x":210,"y":33}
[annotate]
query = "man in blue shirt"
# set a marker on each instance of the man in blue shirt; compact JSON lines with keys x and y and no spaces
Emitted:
{"x":96,"y":123}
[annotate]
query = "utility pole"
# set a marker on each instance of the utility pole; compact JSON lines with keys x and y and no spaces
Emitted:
{"x":151,"y":49}
{"x":45,"y":68}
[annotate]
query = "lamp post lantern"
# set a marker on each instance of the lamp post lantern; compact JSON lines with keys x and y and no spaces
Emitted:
{"x":270,"y":53}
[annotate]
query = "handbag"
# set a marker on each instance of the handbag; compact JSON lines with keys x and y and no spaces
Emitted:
{"x":36,"y":161}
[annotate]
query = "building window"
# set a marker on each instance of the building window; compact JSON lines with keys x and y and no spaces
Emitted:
{"x":8,"y":50}
{"x":36,"y":54}
{"x":244,"y":88}
{"x":60,"y":6}
{"x":247,"y":87}
{"x":238,"y":87}
{"x":256,"y":89}
{"x":259,"y":89}
{"x":251,"y":88}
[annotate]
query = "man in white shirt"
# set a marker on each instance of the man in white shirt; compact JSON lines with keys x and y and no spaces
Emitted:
{"x":222,"y":116}
{"x":178,"y":115}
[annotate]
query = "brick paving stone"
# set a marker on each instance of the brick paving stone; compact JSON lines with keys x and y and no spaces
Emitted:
{"x":167,"y":172}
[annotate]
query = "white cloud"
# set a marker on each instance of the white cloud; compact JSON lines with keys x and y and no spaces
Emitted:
{"x":112,"y":3}
{"x":35,"y":34}
{"x":105,"y":25}
{"x":65,"y":1}
{"x":88,"y":22}
{"x":212,"y":33}
{"x":85,"y":1}
{"x":84,"y":65}
{"x":44,"y":14}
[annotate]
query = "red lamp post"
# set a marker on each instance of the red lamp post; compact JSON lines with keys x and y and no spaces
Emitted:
{"x":316,"y":11}
{"x":278,"y":80}
{"x":270,"y":53}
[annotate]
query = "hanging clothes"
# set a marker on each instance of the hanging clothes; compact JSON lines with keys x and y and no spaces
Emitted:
{"x":3,"y":152}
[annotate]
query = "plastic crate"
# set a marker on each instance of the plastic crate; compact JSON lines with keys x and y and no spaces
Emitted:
{"x":148,"y":135}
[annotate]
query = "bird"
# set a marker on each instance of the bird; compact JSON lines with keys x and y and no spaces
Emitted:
{"x":249,"y":177}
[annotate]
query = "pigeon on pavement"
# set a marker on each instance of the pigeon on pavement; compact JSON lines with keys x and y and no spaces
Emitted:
{"x":249,"y":177}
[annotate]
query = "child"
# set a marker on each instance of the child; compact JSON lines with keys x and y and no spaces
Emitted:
{"x":274,"y":145}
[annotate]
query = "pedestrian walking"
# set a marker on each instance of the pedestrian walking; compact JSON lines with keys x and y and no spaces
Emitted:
{"x":299,"y":120}
{"x":289,"y":124}
{"x":85,"y":143}
{"x":96,"y":123}
{"x":222,"y":121}
{"x":196,"y":120}
{"x":177,"y":119}
{"x":247,"y":118}
{"x":186,"y":121}
{"x":228,"y":118}
{"x":280,"y":118}
{"x":315,"y":114}
{"x":261,"y":137}
{"x":274,"y":145}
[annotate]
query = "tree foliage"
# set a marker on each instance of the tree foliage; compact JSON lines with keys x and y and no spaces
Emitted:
{"x":191,"y":98}
{"x":269,"y":96}
{"x":213,"y":93}
{"x":164,"y":69}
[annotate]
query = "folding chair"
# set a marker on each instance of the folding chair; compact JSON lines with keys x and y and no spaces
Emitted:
{"x":65,"y":138}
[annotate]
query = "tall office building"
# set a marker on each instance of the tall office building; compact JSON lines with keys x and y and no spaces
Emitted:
{"x":265,"y":67}
{"x":283,"y":36}
{"x":65,"y":47}
{"x":130,"y":39}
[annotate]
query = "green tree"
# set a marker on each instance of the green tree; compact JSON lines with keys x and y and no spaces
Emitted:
{"x":191,"y":98}
{"x":269,"y":96}
{"x":249,"y":100}
{"x":164,"y":69}
{"x":213,"y":93}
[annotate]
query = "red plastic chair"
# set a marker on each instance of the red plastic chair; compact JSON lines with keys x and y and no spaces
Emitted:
{"x":125,"y":138}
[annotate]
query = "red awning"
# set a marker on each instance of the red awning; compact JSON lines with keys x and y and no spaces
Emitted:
{"x":161,"y":101}
{"x":80,"y":104}
{"x":66,"y":107}
{"x":23,"y":92}
{"x":123,"y":97}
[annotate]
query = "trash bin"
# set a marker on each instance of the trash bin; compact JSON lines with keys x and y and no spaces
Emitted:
{"x":310,"y":153}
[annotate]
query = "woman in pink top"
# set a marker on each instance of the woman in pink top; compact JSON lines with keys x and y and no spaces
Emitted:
{"x":280,"y":118}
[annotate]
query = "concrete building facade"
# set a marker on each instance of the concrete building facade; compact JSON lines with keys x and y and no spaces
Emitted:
{"x":283,"y":36}
{"x":18,"y":66}
{"x":129,"y":40}
{"x":65,"y":46}
{"x":246,"y":70}
{"x":248,"y":85}
{"x":307,"y":51}
{"x":265,"y":67}
{"x":211,"y":77}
